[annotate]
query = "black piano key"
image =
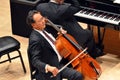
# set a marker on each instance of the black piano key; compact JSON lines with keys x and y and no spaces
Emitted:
{"x":114,"y":17}
{"x":88,"y":12}
{"x":98,"y":14}
{"x":93,"y":13}
{"x":108,"y":16}
{"x":103,"y":15}
{"x":83,"y":10}
{"x":117,"y":19}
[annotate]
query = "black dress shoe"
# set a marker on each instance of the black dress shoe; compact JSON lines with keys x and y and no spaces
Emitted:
{"x":99,"y":52}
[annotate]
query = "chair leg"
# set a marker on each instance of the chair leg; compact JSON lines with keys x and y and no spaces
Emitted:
{"x":9,"y":57}
{"x":22,"y":61}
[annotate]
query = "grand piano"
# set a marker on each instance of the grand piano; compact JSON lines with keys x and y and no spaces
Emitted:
{"x":100,"y":13}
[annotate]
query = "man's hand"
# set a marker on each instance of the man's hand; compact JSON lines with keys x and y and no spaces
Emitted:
{"x":53,"y":70}
{"x":62,"y":31}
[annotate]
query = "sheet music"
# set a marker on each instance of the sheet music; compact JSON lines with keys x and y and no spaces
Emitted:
{"x":117,"y":1}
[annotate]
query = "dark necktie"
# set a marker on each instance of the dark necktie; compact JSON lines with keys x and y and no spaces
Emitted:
{"x":49,"y":37}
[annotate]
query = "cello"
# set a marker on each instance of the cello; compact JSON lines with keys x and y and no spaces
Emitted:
{"x":68,"y":48}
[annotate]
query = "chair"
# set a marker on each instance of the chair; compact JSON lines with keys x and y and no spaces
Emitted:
{"x":9,"y":44}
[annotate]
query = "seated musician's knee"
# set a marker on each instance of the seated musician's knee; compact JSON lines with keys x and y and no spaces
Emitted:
{"x":78,"y":76}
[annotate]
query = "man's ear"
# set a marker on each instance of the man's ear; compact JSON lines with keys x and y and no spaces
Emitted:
{"x":32,"y":24}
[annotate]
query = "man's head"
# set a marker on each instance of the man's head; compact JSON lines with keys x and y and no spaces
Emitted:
{"x":36,"y":20}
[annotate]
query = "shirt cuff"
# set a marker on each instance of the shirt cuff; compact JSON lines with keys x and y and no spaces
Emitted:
{"x":46,"y":66}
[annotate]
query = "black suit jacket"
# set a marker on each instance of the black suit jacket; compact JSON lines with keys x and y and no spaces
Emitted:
{"x":40,"y":54}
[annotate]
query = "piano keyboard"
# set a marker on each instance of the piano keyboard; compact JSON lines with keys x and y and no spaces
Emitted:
{"x":99,"y":15}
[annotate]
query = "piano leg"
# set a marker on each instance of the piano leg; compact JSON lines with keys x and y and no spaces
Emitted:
{"x":100,"y":38}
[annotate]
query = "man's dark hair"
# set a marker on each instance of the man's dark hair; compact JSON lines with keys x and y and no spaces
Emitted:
{"x":29,"y":18}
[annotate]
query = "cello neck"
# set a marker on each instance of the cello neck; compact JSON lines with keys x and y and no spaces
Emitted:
{"x":50,"y":23}
{"x":77,"y":46}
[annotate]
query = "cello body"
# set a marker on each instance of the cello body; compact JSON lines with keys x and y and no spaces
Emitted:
{"x":85,"y":64}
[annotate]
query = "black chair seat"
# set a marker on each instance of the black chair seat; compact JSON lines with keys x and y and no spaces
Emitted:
{"x":9,"y":44}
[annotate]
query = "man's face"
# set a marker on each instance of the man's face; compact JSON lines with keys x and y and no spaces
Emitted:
{"x":39,"y":21}
{"x":60,"y":1}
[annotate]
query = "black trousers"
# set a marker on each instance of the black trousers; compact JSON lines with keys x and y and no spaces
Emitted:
{"x":68,"y":73}
{"x":71,"y":74}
